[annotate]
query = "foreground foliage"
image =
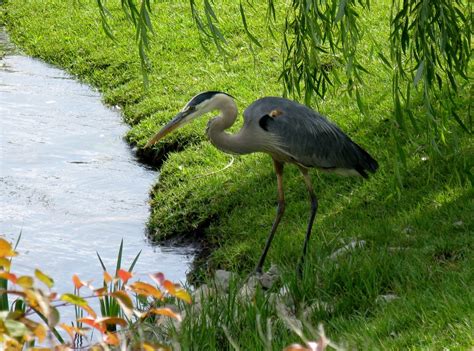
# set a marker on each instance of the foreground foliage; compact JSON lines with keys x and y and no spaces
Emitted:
{"x":129,"y":311}
{"x":34,"y":295}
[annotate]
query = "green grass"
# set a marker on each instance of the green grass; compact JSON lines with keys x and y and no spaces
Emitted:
{"x":415,"y":248}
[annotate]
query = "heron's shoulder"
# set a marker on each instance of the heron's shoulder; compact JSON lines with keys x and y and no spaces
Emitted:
{"x":275,"y":106}
{"x":284,"y":117}
{"x":274,"y":101}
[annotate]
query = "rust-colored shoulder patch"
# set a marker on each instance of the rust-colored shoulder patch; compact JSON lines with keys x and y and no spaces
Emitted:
{"x":275,"y":113}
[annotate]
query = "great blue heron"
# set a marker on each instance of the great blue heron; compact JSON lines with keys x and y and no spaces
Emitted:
{"x":288,"y":132}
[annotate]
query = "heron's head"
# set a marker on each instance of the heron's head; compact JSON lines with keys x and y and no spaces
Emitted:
{"x":197,"y":106}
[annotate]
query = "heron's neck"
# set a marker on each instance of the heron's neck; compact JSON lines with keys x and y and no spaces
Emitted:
{"x":229,"y":143}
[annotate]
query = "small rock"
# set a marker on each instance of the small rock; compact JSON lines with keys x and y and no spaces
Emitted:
{"x":458,"y":224}
{"x":287,"y":315}
{"x":266,"y":280}
{"x":248,"y":289}
{"x":269,"y":278}
{"x":201,"y":292}
{"x":272,"y":297}
{"x":386,"y":298}
{"x":222,"y":279}
{"x":274,"y":270}
{"x":407,"y":230}
{"x":397,"y":248}
{"x":351,"y":246}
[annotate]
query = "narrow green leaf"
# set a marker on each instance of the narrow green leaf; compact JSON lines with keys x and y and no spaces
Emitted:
{"x":210,"y":10}
{"x":413,"y":121}
{"x":460,"y":122}
{"x":119,"y":258}
{"x":18,"y":240}
{"x":101,"y":262}
{"x":419,"y":73}
{"x":134,"y":261}
{"x":145,"y":16}
{"x":360,"y":103}
{"x":401,"y":153}
{"x":104,"y":14}
{"x":244,"y":22}
{"x":361,"y":68}
{"x":452,"y":80}
{"x":398,"y":112}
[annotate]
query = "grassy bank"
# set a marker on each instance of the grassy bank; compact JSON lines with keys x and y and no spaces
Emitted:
{"x":419,"y":241}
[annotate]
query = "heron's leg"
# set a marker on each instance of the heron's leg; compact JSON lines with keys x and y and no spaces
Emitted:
{"x":314,"y":208}
{"x":280,"y":209}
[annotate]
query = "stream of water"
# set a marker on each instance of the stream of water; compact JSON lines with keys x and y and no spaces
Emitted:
{"x":68,"y":182}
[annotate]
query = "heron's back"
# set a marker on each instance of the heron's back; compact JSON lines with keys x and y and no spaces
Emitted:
{"x":305,"y":137}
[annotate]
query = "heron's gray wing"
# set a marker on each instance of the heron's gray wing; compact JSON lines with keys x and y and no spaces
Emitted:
{"x":307,"y":137}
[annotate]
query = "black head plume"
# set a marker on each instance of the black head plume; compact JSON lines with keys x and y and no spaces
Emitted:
{"x":207,"y":95}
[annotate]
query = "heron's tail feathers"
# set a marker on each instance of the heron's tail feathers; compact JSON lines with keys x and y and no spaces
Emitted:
{"x":366,"y":162}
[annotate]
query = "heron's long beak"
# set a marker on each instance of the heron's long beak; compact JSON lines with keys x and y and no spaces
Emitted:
{"x":175,"y":123}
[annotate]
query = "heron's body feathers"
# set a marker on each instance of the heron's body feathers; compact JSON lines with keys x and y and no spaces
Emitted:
{"x":302,"y":136}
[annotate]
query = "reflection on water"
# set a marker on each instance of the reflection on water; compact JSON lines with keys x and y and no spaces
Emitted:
{"x":68,"y":182}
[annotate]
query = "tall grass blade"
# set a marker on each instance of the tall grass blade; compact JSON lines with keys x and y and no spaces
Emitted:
{"x":18,"y":240}
{"x":101,"y":262}
{"x":134,"y":261}
{"x":119,"y":258}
